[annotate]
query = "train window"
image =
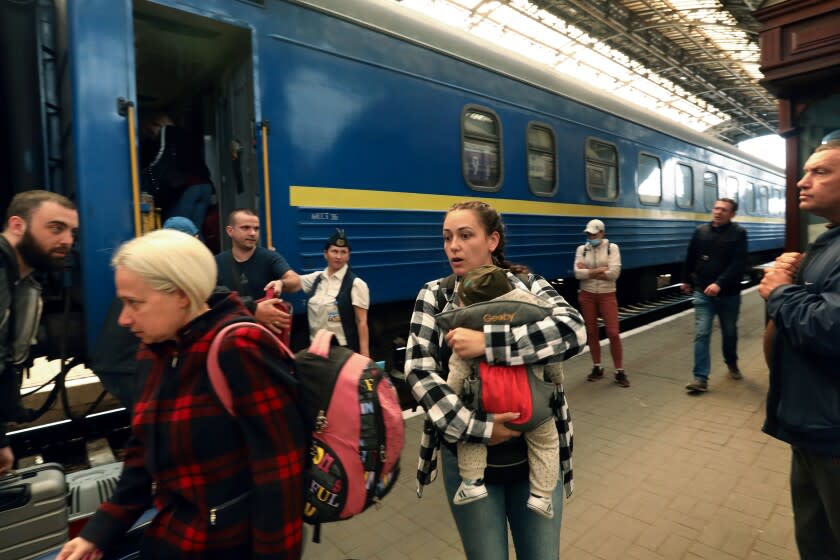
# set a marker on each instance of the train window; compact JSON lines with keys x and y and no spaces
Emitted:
{"x":649,"y":179}
{"x":777,"y":203}
{"x":732,"y":188}
{"x":710,"y":189}
{"x":601,"y":170}
{"x":542,"y":161}
{"x":481,"y":142}
{"x":762,"y":200}
{"x":684,"y":186}
{"x":747,"y":203}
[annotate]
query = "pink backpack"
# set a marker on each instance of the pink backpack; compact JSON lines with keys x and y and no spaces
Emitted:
{"x":358,"y":430}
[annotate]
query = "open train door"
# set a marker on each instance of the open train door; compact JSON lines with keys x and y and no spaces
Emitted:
{"x":129,"y":59}
{"x":239,"y":186}
{"x":197,"y":67}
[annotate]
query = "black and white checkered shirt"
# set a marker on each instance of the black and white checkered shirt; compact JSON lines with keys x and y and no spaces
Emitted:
{"x":556,"y":338}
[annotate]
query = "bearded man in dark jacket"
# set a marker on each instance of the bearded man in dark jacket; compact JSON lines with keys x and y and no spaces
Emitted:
{"x":38,"y":234}
{"x":803,"y":400}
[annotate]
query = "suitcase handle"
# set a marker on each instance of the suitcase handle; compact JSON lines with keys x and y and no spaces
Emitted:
{"x":11,"y":498}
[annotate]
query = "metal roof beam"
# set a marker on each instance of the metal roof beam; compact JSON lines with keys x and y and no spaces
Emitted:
{"x":627,"y":33}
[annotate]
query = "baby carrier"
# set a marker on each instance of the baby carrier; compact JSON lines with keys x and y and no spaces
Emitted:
{"x":497,"y":389}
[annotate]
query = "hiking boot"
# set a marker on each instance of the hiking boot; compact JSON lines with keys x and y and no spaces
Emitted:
{"x":469,"y":491}
{"x":734,"y":372}
{"x":541,"y":505}
{"x":621,"y":378}
{"x":596,"y":373}
{"x":697,"y":386}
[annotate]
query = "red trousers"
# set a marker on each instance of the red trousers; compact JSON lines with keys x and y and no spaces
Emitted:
{"x":605,"y":305}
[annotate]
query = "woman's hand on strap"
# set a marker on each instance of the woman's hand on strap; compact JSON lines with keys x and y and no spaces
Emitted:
{"x":466,"y":343}
{"x":502,"y":433}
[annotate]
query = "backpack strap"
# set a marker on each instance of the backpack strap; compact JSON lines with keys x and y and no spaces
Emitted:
{"x":526,"y":279}
{"x":321,"y":343}
{"x":214,"y":369}
{"x":447,"y":283}
{"x":316,"y":283}
{"x":586,"y":250}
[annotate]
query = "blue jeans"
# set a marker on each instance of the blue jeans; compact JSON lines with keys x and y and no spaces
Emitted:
{"x":705,"y":308}
{"x":482,"y":524}
{"x":192,"y":204}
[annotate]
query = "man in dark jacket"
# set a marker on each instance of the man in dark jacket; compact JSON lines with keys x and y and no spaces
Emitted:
{"x":174,"y":171}
{"x":803,"y":401}
{"x":38,"y":234}
{"x":714,"y":266}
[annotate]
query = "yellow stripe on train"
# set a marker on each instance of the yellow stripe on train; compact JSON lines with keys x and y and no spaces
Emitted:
{"x":329,"y":197}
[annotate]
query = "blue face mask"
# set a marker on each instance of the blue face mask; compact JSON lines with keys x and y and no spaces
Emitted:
{"x":594,"y":242}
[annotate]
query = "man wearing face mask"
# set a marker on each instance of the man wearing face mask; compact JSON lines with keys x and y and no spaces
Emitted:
{"x":38,"y":234}
{"x":597,"y":266}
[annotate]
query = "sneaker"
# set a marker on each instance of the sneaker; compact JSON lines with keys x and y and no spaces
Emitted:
{"x":541,"y":505}
{"x":596,"y":373}
{"x":697,"y":386}
{"x":734,"y":372}
{"x":621,"y":378}
{"x":469,"y":491}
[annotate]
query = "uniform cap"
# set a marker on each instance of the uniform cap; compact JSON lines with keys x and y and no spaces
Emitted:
{"x":181,"y":224}
{"x":594,"y":226}
{"x":483,"y":283}
{"x":338,"y":239}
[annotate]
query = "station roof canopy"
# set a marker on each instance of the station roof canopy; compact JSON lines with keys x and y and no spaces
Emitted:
{"x":695,"y":61}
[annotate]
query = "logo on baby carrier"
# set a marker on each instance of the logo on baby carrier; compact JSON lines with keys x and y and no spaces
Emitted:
{"x":498,"y":317}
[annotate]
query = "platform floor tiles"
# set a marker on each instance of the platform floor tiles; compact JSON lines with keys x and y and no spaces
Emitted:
{"x":659,"y":474}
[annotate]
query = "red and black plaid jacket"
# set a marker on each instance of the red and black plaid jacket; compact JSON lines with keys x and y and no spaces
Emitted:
{"x":224,"y":487}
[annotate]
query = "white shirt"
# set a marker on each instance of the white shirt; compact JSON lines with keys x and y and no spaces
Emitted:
{"x":322,"y":308}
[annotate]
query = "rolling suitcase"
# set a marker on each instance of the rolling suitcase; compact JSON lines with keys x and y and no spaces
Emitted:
{"x":86,"y":490}
{"x":33,"y":511}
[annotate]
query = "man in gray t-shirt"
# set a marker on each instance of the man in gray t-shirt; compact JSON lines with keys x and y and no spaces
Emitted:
{"x":250,"y":270}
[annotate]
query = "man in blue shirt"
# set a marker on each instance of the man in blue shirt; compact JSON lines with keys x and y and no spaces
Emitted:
{"x":251,"y":270}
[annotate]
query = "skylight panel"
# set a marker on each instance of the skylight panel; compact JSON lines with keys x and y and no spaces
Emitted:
{"x":530,"y":31}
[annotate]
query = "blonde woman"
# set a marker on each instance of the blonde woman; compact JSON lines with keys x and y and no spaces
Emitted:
{"x":223,"y":487}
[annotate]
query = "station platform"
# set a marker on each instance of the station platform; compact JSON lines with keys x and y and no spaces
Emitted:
{"x":659,"y":474}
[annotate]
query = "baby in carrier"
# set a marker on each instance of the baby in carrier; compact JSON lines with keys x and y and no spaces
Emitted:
{"x":484,"y":284}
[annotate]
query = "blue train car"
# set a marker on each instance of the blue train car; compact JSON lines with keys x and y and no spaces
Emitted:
{"x":361,"y":115}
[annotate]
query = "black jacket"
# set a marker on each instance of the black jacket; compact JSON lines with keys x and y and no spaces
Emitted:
{"x":803,"y":401}
{"x":716,"y":255}
{"x":172,"y":162}
{"x":20,"y":312}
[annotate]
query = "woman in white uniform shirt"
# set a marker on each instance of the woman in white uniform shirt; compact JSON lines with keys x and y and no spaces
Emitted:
{"x":338,"y":299}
